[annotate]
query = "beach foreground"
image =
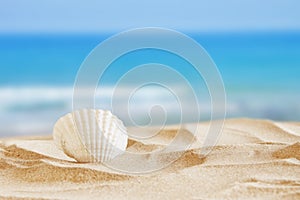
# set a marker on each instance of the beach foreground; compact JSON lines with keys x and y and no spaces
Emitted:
{"x":253,"y":159}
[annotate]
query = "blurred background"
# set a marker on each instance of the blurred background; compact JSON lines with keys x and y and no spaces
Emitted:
{"x":255,"y":44}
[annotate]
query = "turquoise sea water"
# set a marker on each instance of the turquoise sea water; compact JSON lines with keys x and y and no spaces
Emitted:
{"x":260,"y":72}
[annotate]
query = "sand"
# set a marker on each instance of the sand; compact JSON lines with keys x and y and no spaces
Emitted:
{"x":253,"y":159}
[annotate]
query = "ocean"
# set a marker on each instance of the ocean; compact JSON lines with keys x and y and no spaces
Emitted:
{"x":260,"y":71}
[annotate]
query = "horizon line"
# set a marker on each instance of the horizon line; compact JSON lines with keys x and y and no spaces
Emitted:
{"x":189,"y":31}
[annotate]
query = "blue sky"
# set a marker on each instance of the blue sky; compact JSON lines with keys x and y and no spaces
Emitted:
{"x":196,"y":15}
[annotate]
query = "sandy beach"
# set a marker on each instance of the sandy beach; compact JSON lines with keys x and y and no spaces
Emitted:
{"x":253,"y":159}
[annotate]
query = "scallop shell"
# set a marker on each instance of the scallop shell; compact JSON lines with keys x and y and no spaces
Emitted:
{"x":90,"y":135}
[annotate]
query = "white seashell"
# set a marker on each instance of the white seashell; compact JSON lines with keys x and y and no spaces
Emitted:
{"x":90,"y":135}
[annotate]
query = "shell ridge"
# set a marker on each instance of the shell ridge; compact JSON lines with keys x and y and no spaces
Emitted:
{"x":91,"y":135}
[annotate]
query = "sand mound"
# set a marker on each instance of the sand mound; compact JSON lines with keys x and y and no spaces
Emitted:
{"x":28,"y":166}
{"x":291,"y":151}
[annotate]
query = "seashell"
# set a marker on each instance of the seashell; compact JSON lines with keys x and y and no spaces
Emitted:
{"x":90,"y":135}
